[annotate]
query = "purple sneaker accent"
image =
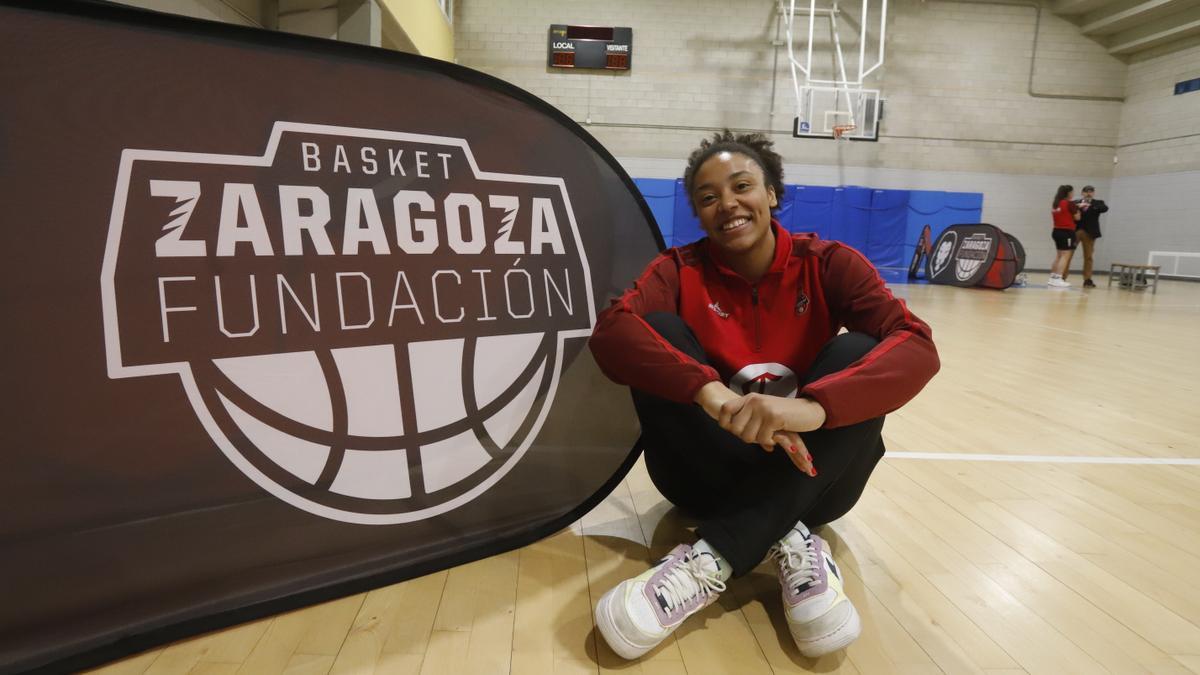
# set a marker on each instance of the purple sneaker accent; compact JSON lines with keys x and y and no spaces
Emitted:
{"x":820,"y":616}
{"x":637,"y":614}
{"x":680,"y":556}
{"x":818,"y":581}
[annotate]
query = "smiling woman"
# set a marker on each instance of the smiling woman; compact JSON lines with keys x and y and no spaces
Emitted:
{"x":735,"y":211}
{"x":734,"y":183}
{"x":731,"y":347}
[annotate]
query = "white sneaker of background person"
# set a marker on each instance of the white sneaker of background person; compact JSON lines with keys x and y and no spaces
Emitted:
{"x":820,"y":616}
{"x":1057,"y":281}
{"x":639,"y":613}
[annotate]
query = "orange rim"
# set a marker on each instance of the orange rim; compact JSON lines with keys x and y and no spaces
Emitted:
{"x":841,"y":129}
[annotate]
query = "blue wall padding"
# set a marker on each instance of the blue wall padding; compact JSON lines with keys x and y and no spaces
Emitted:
{"x":812,"y":210}
{"x":786,"y":211}
{"x":925,"y":207}
{"x":965,"y":201}
{"x":888,"y":228}
{"x":686,"y":224}
{"x":852,"y":216}
{"x":659,"y":194}
{"x":939,"y":210}
{"x":882,"y":224}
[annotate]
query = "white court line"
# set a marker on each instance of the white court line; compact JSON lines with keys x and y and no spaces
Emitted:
{"x":1043,"y":459}
{"x":1042,"y":326}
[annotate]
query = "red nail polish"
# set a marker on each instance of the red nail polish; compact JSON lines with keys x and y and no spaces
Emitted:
{"x":792,"y":449}
{"x":809,"y":458}
{"x":814,"y":472}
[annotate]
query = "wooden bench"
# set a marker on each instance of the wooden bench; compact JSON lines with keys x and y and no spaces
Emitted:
{"x":1133,"y":275}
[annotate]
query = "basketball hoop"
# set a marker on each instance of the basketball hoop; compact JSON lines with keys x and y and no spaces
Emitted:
{"x":829,"y":83}
{"x":841,"y":129}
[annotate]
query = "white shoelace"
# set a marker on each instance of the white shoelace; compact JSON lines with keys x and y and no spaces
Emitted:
{"x":687,"y":580}
{"x":800,"y":564}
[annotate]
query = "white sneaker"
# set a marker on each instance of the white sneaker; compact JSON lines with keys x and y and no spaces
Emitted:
{"x":1056,"y":282}
{"x":641,"y":612}
{"x":820,"y":616}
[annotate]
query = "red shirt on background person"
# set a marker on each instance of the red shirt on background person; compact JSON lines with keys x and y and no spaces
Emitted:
{"x":1064,"y":214}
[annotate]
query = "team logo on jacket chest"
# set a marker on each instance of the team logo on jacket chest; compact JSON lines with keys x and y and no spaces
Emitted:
{"x":801,"y":303}
{"x":775,"y":379}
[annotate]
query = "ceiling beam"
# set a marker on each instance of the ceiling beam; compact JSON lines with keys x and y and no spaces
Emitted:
{"x":298,"y":6}
{"x":1155,"y":33}
{"x":1130,"y":16}
{"x":1069,"y":7}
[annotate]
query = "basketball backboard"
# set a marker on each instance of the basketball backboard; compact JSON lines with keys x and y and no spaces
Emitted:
{"x":833,"y":49}
{"x":831,"y":112}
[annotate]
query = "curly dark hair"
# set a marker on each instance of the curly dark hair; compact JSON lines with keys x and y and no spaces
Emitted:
{"x":756,"y":146}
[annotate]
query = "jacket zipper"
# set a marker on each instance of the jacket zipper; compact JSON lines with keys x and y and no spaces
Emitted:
{"x":757,"y":331}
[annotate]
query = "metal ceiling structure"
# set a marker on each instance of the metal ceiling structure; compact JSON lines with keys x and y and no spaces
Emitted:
{"x":1129,"y":27}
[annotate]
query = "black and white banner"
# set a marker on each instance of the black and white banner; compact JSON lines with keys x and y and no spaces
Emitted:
{"x":287,"y":319}
{"x":974,"y":255}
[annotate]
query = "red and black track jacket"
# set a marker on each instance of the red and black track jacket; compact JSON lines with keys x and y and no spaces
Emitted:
{"x":812,"y":289}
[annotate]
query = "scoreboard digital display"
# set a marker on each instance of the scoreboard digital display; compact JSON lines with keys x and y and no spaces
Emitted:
{"x":603,"y":47}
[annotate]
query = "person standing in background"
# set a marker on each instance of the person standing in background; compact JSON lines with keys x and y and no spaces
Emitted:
{"x":1065,"y":214}
{"x":1087,"y":230}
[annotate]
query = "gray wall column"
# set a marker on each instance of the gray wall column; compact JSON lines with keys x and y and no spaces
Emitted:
{"x":360,"y":21}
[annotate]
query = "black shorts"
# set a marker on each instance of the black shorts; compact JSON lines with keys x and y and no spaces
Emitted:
{"x":1064,"y":240}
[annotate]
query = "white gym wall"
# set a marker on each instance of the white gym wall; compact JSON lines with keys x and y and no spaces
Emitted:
{"x":959,"y":113}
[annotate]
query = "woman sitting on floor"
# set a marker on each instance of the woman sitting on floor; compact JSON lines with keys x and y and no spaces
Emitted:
{"x":758,"y":417}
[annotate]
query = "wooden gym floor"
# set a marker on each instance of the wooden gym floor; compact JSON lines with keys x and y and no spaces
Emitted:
{"x":1081,"y":557}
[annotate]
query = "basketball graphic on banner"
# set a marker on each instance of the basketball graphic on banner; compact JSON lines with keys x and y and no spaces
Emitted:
{"x":297,"y":318}
{"x":386,"y":385}
{"x":982,"y":255}
{"x":376,"y":458}
{"x":972,"y":253}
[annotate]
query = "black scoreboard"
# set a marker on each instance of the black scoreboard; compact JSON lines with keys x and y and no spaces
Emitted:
{"x":604,"y":47}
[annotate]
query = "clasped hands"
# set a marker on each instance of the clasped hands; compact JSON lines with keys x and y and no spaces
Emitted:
{"x":765,"y":420}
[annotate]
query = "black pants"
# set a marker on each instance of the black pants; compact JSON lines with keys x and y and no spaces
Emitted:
{"x":747,"y":498}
